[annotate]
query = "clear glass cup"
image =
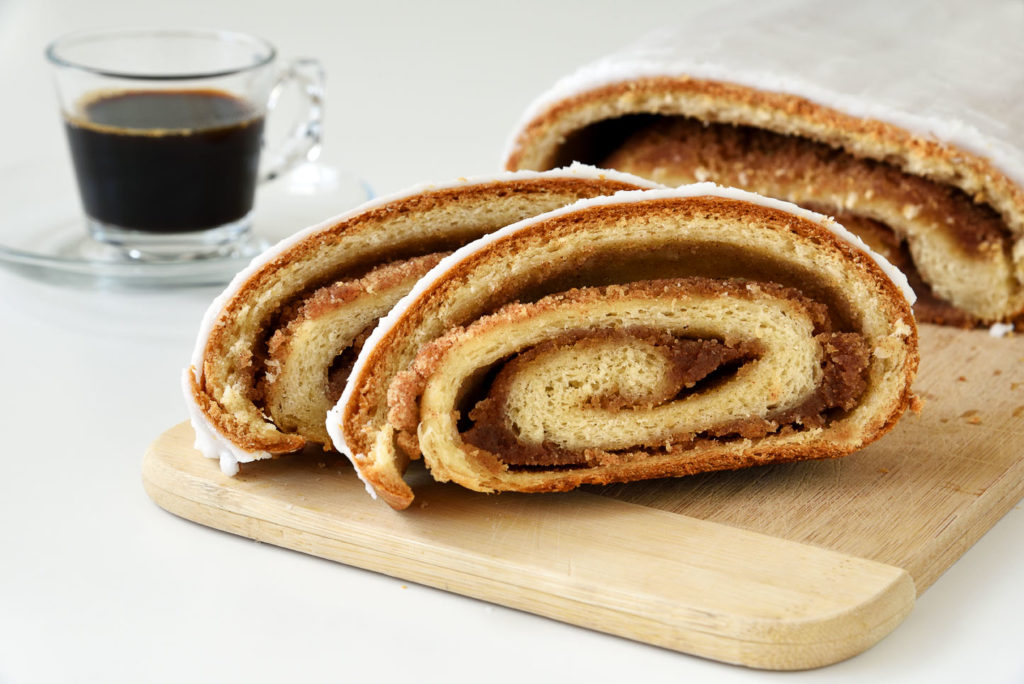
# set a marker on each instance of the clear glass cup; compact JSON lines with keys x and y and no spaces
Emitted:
{"x":166,"y":130}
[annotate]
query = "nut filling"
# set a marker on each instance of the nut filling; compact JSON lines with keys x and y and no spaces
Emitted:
{"x":598,"y":376}
{"x":694,"y":365}
{"x":957,"y":249}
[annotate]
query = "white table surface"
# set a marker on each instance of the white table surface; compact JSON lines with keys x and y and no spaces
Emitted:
{"x":98,"y":584}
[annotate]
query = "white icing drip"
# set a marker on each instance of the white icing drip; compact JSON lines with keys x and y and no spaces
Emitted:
{"x":209,"y":442}
{"x":209,"y":439}
{"x":334,"y":416}
{"x":950,"y":71}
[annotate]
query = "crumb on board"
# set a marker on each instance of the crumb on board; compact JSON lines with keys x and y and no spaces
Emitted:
{"x":883,"y":471}
{"x":1018,"y":412}
{"x":1000,"y":329}
{"x":962,"y":379}
{"x":974,"y":420}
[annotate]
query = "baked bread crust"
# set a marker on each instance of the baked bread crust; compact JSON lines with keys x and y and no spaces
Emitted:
{"x":703,"y":231}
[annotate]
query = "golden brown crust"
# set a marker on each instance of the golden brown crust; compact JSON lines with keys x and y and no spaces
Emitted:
{"x":536,"y":145}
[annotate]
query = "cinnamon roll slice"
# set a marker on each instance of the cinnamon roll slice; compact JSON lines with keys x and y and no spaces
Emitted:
{"x":933,"y":164}
{"x":648,"y":334}
{"x":276,"y":347}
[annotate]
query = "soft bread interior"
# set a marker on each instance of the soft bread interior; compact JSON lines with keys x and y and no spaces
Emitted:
{"x":310,"y":357}
{"x":551,"y":402}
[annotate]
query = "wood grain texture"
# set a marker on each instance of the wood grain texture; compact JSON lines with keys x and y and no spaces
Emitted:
{"x":658,"y":577}
{"x":916,"y":499}
{"x":783,"y":567}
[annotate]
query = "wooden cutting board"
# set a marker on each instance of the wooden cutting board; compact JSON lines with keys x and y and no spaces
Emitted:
{"x":784,"y":567}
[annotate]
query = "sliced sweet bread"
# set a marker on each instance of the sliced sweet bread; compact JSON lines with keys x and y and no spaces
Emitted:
{"x":275,"y":347}
{"x":892,"y":130}
{"x":643,"y":335}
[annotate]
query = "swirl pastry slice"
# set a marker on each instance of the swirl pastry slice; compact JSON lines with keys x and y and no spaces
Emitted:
{"x":928,"y":169}
{"x":644,"y":335}
{"x":276,"y":347}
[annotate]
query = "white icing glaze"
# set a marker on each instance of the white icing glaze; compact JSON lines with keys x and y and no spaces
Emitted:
{"x":334,"y":416}
{"x":952,"y":71}
{"x":209,"y":441}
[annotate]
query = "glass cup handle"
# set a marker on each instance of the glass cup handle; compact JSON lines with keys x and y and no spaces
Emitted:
{"x":303,"y":142}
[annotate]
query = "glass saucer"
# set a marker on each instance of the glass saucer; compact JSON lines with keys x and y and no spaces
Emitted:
{"x":43,"y":234}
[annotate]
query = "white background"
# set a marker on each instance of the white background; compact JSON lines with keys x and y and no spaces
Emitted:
{"x":98,"y":584}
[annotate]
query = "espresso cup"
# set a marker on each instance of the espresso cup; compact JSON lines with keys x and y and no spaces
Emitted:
{"x":166,"y":129}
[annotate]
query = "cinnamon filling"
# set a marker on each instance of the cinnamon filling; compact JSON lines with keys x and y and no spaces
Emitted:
{"x":752,"y":157}
{"x":341,"y":368}
{"x":676,"y":150}
{"x":696,"y":365}
{"x":929,"y":308}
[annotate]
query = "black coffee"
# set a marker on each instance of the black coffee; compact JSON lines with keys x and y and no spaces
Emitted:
{"x":166,"y":161}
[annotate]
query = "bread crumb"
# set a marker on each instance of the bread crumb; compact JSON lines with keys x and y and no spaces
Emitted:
{"x":883,"y":471}
{"x":962,"y":379}
{"x":974,"y":420}
{"x":1000,"y":329}
{"x":1018,"y":412}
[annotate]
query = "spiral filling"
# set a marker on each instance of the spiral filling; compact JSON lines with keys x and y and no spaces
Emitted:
{"x":689,"y":366}
{"x":931,"y":225}
{"x":312,"y":350}
{"x":600,"y":375}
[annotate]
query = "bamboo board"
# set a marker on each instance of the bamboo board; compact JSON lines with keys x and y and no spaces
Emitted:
{"x":783,"y":567}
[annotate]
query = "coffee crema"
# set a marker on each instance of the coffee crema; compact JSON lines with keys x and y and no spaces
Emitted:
{"x":166,"y":161}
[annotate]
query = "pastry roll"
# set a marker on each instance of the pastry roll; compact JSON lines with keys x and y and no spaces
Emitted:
{"x":646,"y":334}
{"x":911,"y":138}
{"x":276,"y":347}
